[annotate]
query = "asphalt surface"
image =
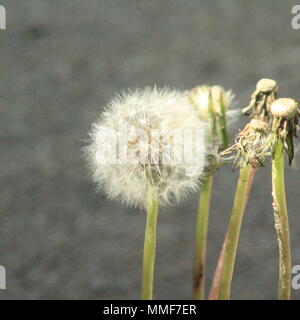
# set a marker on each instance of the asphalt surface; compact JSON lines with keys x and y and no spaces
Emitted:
{"x":61,"y":61}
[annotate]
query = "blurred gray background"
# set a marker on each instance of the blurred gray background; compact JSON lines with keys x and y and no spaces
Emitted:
{"x":61,"y":61}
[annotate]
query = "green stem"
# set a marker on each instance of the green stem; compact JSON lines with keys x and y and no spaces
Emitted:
{"x":222,"y":125}
{"x":201,"y":239}
{"x":215,"y":288}
{"x":149,"y":246}
{"x":239,"y":204}
{"x":281,"y":222}
{"x":223,"y":132}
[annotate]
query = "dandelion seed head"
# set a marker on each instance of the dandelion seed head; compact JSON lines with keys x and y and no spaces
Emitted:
{"x":152,"y":118}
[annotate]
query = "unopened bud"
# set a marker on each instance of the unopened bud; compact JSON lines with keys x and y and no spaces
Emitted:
{"x":218,"y":97}
{"x":210,"y":99}
{"x":201,"y":98}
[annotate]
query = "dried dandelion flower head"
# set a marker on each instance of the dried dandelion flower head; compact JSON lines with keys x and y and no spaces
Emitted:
{"x":266,"y":86}
{"x":150,"y":138}
{"x":284,"y":108}
{"x":251,"y":144}
{"x":262,"y":98}
{"x":286,"y":113}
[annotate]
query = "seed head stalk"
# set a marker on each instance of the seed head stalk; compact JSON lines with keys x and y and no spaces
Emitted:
{"x":131,"y":153}
{"x":281,"y":221}
{"x":149,"y":246}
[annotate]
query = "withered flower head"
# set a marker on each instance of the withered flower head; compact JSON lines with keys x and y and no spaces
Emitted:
{"x":250,"y":144}
{"x":262,"y":98}
{"x":285,"y":112}
{"x":284,"y":108}
{"x":266,"y":86}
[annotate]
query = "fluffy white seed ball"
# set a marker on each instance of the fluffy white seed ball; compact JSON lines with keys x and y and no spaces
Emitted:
{"x":147,"y":138}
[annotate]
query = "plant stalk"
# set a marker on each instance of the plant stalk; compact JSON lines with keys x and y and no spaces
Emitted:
{"x":222,"y":125}
{"x":233,"y":231}
{"x":149,"y":246}
{"x":215,"y":288}
{"x":281,"y":222}
{"x":201,"y":239}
